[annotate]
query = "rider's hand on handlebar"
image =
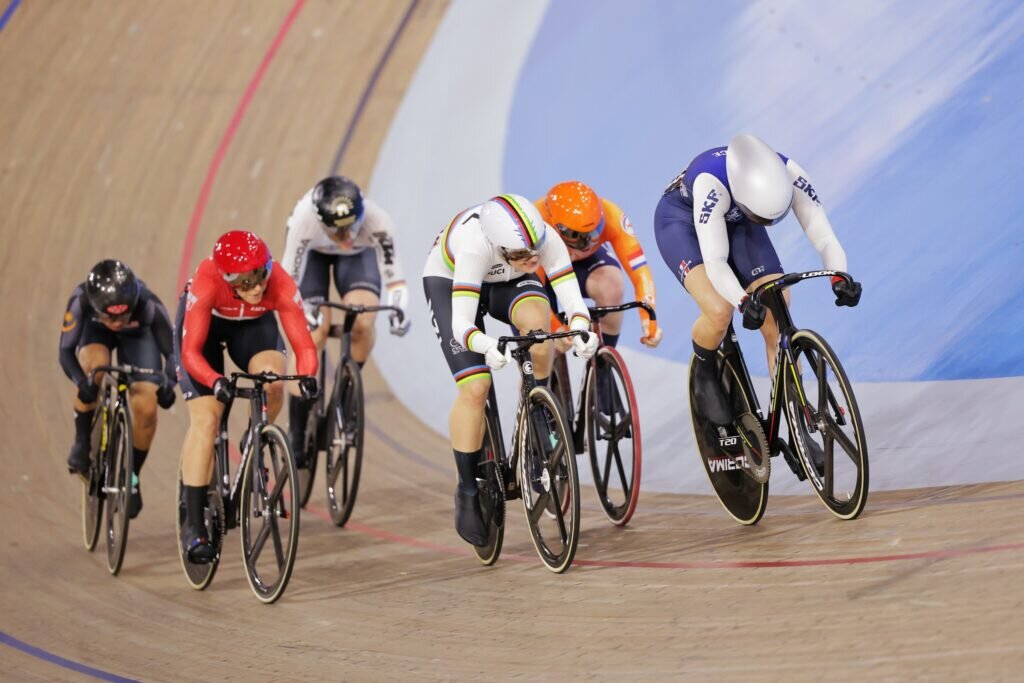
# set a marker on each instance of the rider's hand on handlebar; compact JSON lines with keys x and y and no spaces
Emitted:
{"x":399,"y":325}
{"x":753,"y":313}
{"x":314,"y":316}
{"x":496,"y":360}
{"x":88,"y":392}
{"x":650,"y":339}
{"x":847,"y":293}
{"x":308,"y":389}
{"x":222,"y":390}
{"x":165,"y":396}
{"x":585,"y":349}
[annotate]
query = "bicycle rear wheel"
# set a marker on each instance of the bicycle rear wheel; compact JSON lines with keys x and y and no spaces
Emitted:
{"x":307,"y":473}
{"x":344,"y":459}
{"x":92,"y":483}
{"x":547,"y":472}
{"x":616,"y":470}
{"x":118,"y":487}
{"x":491,"y":485}
{"x":822,"y":414}
{"x":269,"y":512}
{"x":199,"y":576}
{"x":722,"y":451}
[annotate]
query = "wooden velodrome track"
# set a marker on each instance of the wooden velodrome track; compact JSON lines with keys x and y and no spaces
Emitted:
{"x":125,"y":123}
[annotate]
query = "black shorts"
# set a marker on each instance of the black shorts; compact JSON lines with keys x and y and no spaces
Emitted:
{"x":243,"y":339}
{"x":353,"y":271}
{"x":134,"y":347}
{"x":497,"y":299}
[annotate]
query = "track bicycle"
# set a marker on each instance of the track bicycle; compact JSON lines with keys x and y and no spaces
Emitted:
{"x":606,"y":418}
{"x":539,"y":466}
{"x":826,"y":442}
{"x":262,"y":497}
{"x":111,"y":474}
{"x":336,"y":426}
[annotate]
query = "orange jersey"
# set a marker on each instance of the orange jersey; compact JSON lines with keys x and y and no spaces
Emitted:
{"x":618,"y":232}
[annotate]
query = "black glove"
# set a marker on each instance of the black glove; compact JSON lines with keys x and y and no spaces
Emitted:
{"x":165,"y":396}
{"x":222,"y":390}
{"x":308,"y":389}
{"x":847,"y":293}
{"x":88,"y":392}
{"x":753,"y":313}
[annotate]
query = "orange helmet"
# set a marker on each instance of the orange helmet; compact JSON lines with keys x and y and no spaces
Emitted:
{"x":576,"y":212}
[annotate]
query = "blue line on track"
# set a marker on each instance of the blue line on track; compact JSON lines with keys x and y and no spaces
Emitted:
{"x":60,"y":661}
{"x":370,"y":87}
{"x":8,"y":12}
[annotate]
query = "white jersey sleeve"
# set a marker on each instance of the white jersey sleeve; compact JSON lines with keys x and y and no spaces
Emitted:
{"x":711,"y":201}
{"x":554,"y":258}
{"x":473,"y":258}
{"x":814,"y":220}
{"x":303,"y":234}
{"x":378,"y":225}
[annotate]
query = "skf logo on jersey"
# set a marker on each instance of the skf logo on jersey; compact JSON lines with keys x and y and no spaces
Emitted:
{"x":804,"y":185}
{"x":342,"y":208}
{"x":69,"y":322}
{"x":709,"y":204}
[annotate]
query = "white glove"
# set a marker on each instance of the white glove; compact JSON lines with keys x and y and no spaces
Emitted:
{"x":585,"y":349}
{"x":314,"y":315}
{"x":496,"y":360}
{"x":398,"y":297}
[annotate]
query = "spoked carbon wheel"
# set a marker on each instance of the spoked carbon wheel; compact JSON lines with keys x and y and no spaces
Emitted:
{"x":826,"y":426}
{"x":118,"y":488}
{"x":613,"y":435}
{"x":345,"y":422}
{"x":307,"y":473}
{"x":722,"y":452}
{"x":200,"y":575}
{"x":92,"y":483}
{"x":492,"y":500}
{"x":269,"y":515}
{"x":547,"y":472}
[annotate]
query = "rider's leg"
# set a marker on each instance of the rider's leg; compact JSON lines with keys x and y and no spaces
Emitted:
{"x":606,"y":287}
{"x":270,"y":361}
{"x":196,"y":470}
{"x":298,"y":410}
{"x":142,"y":397}
{"x":466,"y":426}
{"x":533,"y":312}
{"x":708,"y":331}
{"x":363,"y":332}
{"x":770,"y":329}
{"x":89,"y":356}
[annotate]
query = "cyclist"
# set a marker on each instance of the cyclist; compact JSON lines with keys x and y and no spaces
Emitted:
{"x":334,"y":227}
{"x":486,"y":261}
{"x":230,"y":303}
{"x":710,"y":225}
{"x":113,"y":309}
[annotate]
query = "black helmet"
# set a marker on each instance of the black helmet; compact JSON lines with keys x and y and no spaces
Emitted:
{"x":339,"y":204}
{"x":112,"y":288}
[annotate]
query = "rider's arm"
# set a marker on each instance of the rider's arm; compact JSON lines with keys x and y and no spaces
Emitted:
{"x":298,"y":237}
{"x":70,"y":333}
{"x":288,"y":303}
{"x":194,"y":330}
{"x":814,"y":220}
{"x":711,"y":202}
{"x":472,"y":261}
{"x":382,"y":233}
{"x":630,"y":253}
{"x":163,"y":332}
{"x":554,"y":258}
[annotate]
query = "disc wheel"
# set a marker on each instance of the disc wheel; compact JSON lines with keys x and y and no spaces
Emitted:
{"x":118,"y":488}
{"x":826,"y":426}
{"x":547,"y":472}
{"x":491,"y":486}
{"x":269,"y":516}
{"x":721,"y":452}
{"x":613,"y":435}
{"x":345,"y":423}
{"x":199,"y":576}
{"x":92,"y":483}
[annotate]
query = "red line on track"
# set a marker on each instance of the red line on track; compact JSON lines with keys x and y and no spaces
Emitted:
{"x":225,"y":142}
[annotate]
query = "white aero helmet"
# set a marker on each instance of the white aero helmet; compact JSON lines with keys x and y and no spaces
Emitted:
{"x":760,"y":184}
{"x":513,"y":226}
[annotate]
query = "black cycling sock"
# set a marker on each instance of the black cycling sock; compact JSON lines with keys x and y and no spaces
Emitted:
{"x":610,"y":339}
{"x":703,"y":355}
{"x":298,"y":413}
{"x":140,"y":458}
{"x":466,"y":464}
{"x":83,"y":425}
{"x":542,"y":382}
{"x":360,"y":363}
{"x":195,"y":502}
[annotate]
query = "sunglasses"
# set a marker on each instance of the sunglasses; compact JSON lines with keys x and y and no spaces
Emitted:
{"x":244,"y":282}
{"x":575,"y":239}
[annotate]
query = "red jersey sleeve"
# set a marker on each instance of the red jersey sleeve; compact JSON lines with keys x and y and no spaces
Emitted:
{"x":199,"y":302}
{"x":288,"y":304}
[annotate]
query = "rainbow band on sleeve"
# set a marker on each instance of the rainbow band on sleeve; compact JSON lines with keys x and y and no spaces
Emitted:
{"x":460,"y":289}
{"x":524,"y":297}
{"x":467,"y":339}
{"x":581,"y":317}
{"x":446,"y":249}
{"x":471,"y":373}
{"x":522,"y":221}
{"x":564,"y":275}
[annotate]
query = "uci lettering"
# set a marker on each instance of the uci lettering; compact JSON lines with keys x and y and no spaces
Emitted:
{"x":804,"y":185}
{"x":709,"y":205}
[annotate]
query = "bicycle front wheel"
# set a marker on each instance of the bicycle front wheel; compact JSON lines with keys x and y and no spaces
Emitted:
{"x":92,"y":483}
{"x":345,"y":424}
{"x":548,"y":475}
{"x":613,"y":435}
{"x":199,"y":576}
{"x":491,"y":486}
{"x":270,"y":515}
{"x":311,"y":446}
{"x":118,"y":487}
{"x":824,"y":422}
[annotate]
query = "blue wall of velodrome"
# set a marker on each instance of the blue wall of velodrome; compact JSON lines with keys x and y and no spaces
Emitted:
{"x":906,"y":115}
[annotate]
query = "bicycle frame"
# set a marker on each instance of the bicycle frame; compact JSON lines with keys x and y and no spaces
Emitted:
{"x":343,"y":331}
